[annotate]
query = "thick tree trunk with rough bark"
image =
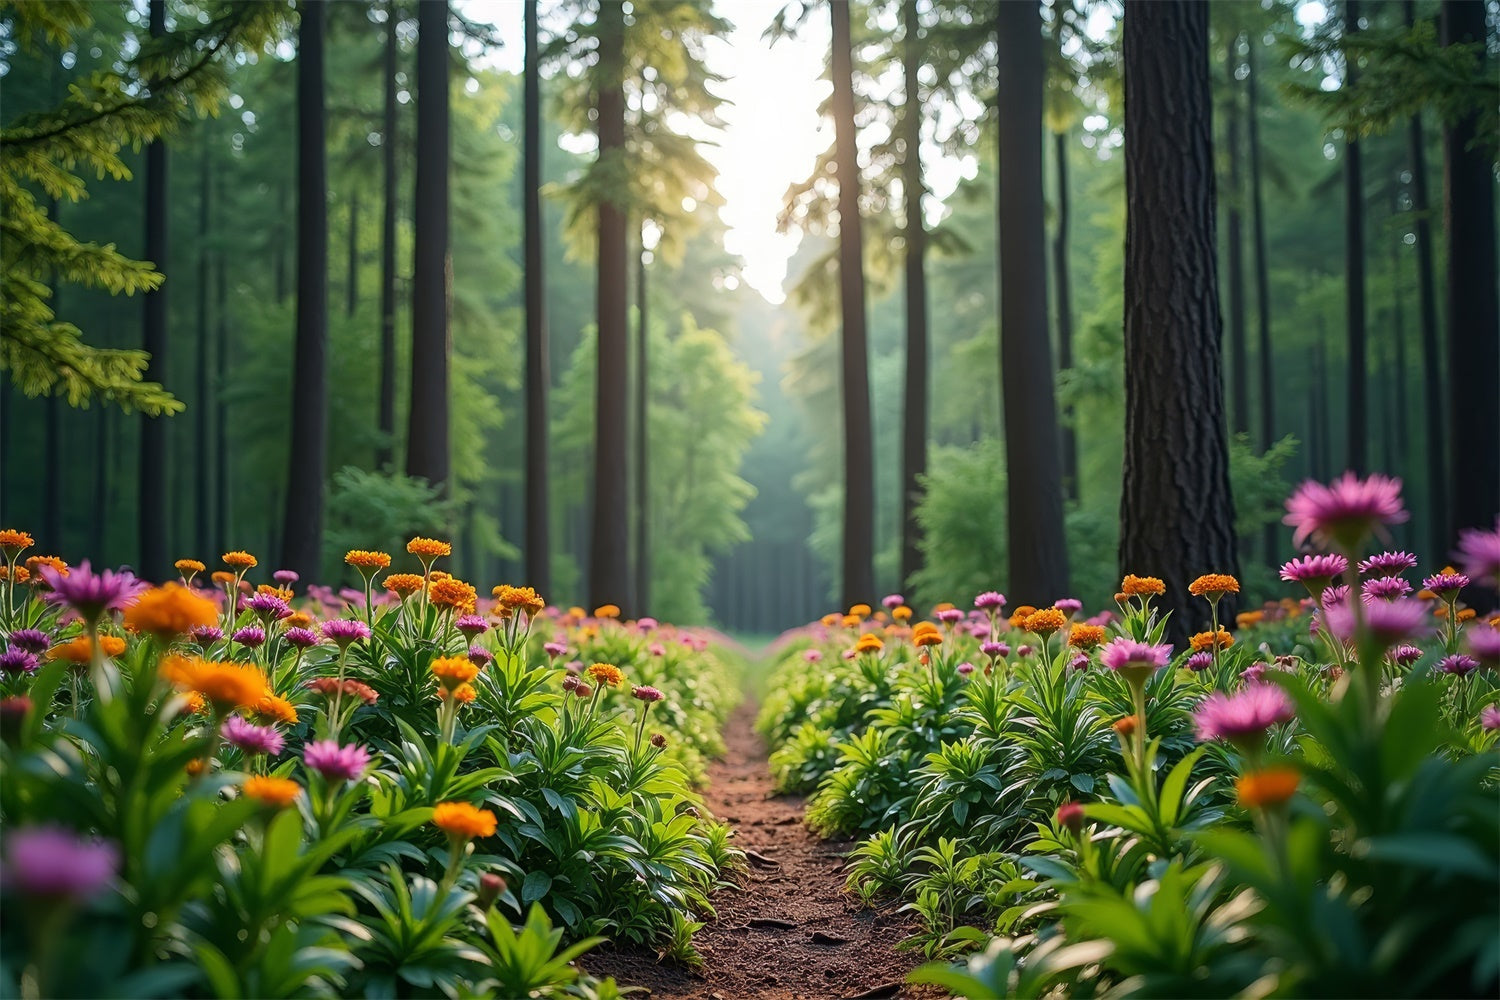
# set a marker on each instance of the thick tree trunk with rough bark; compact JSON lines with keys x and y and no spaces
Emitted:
{"x":386,"y":405}
{"x":609,"y":543}
{"x":1473,"y":301}
{"x":152,"y":513}
{"x":858,"y":583}
{"x":538,"y":371}
{"x":302,"y":529}
{"x":432,"y":343}
{"x":914,"y":409}
{"x":1177,"y":516}
{"x":1037,"y":548}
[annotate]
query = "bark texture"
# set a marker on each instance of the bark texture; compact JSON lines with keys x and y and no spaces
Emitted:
{"x":152,"y":513}
{"x":538,"y":369}
{"x":914,"y":416}
{"x":1357,"y":423}
{"x":386,"y":405}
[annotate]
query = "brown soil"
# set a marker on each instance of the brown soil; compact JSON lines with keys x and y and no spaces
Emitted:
{"x":790,"y":932}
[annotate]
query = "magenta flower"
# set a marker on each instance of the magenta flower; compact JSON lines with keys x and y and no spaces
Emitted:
{"x":1458,"y":664}
{"x":285,"y":577}
{"x":480,"y":657}
{"x":1242,"y":718}
{"x":812,"y":655}
{"x":301,"y":638}
{"x":1484,"y":643}
{"x":1080,"y":661}
{"x":950,"y":616}
{"x":1389,"y":622}
{"x":1343,"y":513}
{"x":251,"y":636}
{"x":471,"y":625}
{"x":51,"y":861}
{"x":890,"y":601}
{"x":207,"y":635}
{"x":1384,"y":588}
{"x":1446,"y":585}
{"x":344,"y":631}
{"x":1315,"y":572}
{"x":555,"y":649}
{"x":966,"y":668}
{"x":336,"y":763}
{"x":1338,"y":594}
{"x":1406,"y":654}
{"x":1023,"y":651}
{"x":646,"y":624}
{"x":1479,"y":554}
{"x":251,"y":738}
{"x":990,"y":600}
{"x":994,"y":650}
{"x":91,"y":594}
{"x":1131,"y":657}
{"x":1069,"y":605}
{"x":1200,"y":661}
{"x":17,"y":661}
{"x":657,"y":649}
{"x":33,"y":640}
{"x":269,"y":608}
{"x":1388,"y":564}
{"x":1489,"y":717}
{"x":647,"y":694}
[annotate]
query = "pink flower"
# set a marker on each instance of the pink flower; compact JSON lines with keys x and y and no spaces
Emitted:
{"x":1389,"y":622}
{"x":1479,"y":554}
{"x":1069,"y":605}
{"x":344,"y":631}
{"x":471,"y":625}
{"x":1384,"y":588}
{"x":1130,"y":656}
{"x":250,"y":738}
{"x":1446,"y":585}
{"x":336,"y":763}
{"x":1343,"y":513}
{"x":1484,"y":643}
{"x":1405,"y":655}
{"x":1489,"y":717}
{"x":994,"y":650}
{"x":965,"y":669}
{"x":951,"y":616}
{"x":1388,"y":563}
{"x":890,"y":601}
{"x":1458,"y":664}
{"x":990,"y":600}
{"x":647,"y":694}
{"x":1200,"y":661}
{"x":51,"y":861}
{"x":1315,"y":572}
{"x":88,"y":593}
{"x":554,"y":649}
{"x":657,"y":649}
{"x":812,"y":655}
{"x":302,"y":638}
{"x":251,"y":636}
{"x":1242,"y":718}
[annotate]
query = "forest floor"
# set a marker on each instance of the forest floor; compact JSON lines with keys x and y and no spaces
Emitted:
{"x":790,"y":932}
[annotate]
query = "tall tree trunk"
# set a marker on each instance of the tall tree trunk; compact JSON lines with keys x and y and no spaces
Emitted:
{"x":609,"y":543}
{"x":642,"y":596}
{"x":1038,"y":550}
{"x":386,"y":405}
{"x":278,"y":250}
{"x":1400,"y":439}
{"x":1473,"y":300}
{"x":1239,"y":363}
{"x":858,"y":582}
{"x":222,"y":494}
{"x":1432,"y":358}
{"x":1266,"y":360}
{"x":914,"y":418}
{"x":538,"y":370}
{"x":52,"y":473}
{"x":1177,"y":515}
{"x":202,"y":409}
{"x":431,"y":341}
{"x":351,"y":289}
{"x":153,"y":493}
{"x":1063,"y":272}
{"x":1357,"y":449}
{"x":302,"y":530}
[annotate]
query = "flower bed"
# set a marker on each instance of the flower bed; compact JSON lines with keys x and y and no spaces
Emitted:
{"x":236,"y":790}
{"x":1075,"y":808}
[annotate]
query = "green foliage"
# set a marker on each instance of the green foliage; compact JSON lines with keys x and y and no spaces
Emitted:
{"x":380,"y":511}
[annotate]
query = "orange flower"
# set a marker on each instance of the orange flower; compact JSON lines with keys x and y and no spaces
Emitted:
{"x":901,"y":613}
{"x":464,"y":693}
{"x":1086,"y":636}
{"x":21,"y":575}
{"x":1046,"y":621}
{"x":1214,"y":586}
{"x":607,"y":611}
{"x":363,"y":559}
{"x":186,"y":566}
{"x":852,"y":621}
{"x":862,"y":610}
{"x":285,"y":593}
{"x":832,"y":619}
{"x":512,"y":599}
{"x":13,"y":542}
{"x":273,"y":708}
{"x":1270,"y":786}
{"x":1125,"y":725}
{"x":278,"y":793}
{"x":169,"y":610}
{"x":298,"y":619}
{"x":455,"y":595}
{"x":222,"y":578}
{"x":942,"y":606}
{"x":461,"y":821}
{"x":112,"y":645}
{"x":34,"y":565}
{"x":75,"y":651}
{"x":869,"y":643}
{"x":1211,"y":640}
{"x":607,"y":674}
{"x":1142,"y":586}
{"x":240,"y":560}
{"x":1121,"y":598}
{"x":428,"y":548}
{"x":403,"y":585}
{"x":452,"y":671}
{"x":193,"y":702}
{"x":226,"y":686}
{"x":1245,"y":619}
{"x":1019,"y":616}
{"x":926,"y":634}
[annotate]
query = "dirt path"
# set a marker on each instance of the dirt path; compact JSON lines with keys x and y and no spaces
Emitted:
{"x":792,"y":933}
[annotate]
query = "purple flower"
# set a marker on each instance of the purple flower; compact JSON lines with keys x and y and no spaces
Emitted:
{"x":1388,"y":564}
{"x":965,"y":669}
{"x":990,"y":600}
{"x":1080,"y":661}
{"x":207,"y":635}
{"x":1342,"y":513}
{"x":471,"y":626}
{"x":1385,"y":588}
{"x":1484,"y":643}
{"x":890,"y":601}
{"x":646,"y":624}
{"x":92,"y":594}
{"x":950,"y":616}
{"x":1023,"y":651}
{"x":555,"y":649}
{"x":251,"y":636}
{"x":812,"y":655}
{"x":1445,"y":584}
{"x":1479,"y":554}
{"x":1134,"y":657}
{"x":33,"y":640}
{"x":994,"y":650}
{"x":1200,"y":660}
{"x":51,"y":861}
{"x":302,"y":638}
{"x":1314,"y":572}
{"x":1336,"y":595}
{"x":1458,"y":664}
{"x":336,"y":763}
{"x":269,"y":607}
{"x":1390,"y":622}
{"x":251,"y":738}
{"x":344,"y":631}
{"x":647,"y":694}
{"x":1069,"y":605}
{"x":1405,"y":655}
{"x":1489,"y":717}
{"x":285,"y":577}
{"x":17,"y":661}
{"x":657,"y":649}
{"x":1242,"y":718}
{"x":480,"y":657}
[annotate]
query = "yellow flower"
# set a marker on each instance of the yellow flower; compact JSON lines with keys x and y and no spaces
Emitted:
{"x":462,"y":821}
{"x":1045,"y":622}
{"x":273,"y":708}
{"x":240,"y":560}
{"x":222,"y":578}
{"x":607,"y":674}
{"x":277,"y":793}
{"x":926,"y":634}
{"x":830,"y":620}
{"x":452,"y":594}
{"x":1142,"y":586}
{"x":869,"y":643}
{"x":186,"y":566}
{"x":452,"y":671}
{"x":901,"y":613}
{"x":13,"y":542}
{"x":1214,"y":586}
{"x":1210,"y":640}
{"x":860,"y":610}
{"x":1270,"y":786}
{"x":403,"y":585}
{"x":512,"y":599}
{"x":852,"y":621}
{"x":607,"y":611}
{"x":1245,"y":619}
{"x":941,"y":607}
{"x":428,"y":548}
{"x":363,"y":559}
{"x":285,"y":593}
{"x":1086,"y":636}
{"x":169,"y":610}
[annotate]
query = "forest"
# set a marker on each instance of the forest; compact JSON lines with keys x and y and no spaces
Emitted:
{"x":748,"y":350}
